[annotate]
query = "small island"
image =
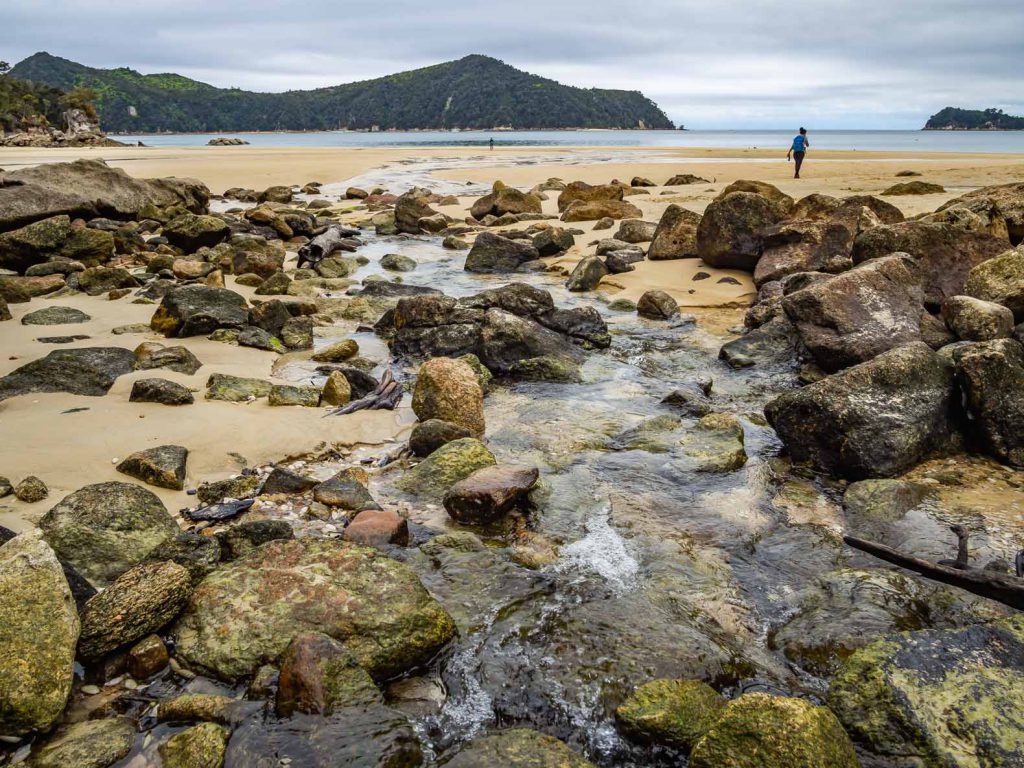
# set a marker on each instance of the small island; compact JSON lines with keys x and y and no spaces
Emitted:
{"x":956,"y":119}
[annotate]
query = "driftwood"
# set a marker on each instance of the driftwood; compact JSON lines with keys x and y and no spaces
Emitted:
{"x":336,"y":238}
{"x":1001,"y":587}
{"x":386,"y":396}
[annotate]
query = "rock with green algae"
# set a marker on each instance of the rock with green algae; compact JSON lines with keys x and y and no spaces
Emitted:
{"x":241,"y":487}
{"x":671,"y":712}
{"x":546,"y":368}
{"x":89,"y":744}
{"x":201,"y":746}
{"x":102,"y":530}
{"x":516,"y":748}
{"x":938,"y":698}
{"x":483,"y":375}
{"x":444,"y":467}
{"x":285,"y":395}
{"x":758,"y":730}
{"x":162,"y":466}
{"x":717,"y":443}
{"x":205,"y":708}
{"x":245,"y":613}
{"x":236,"y":389}
{"x":38,"y":631}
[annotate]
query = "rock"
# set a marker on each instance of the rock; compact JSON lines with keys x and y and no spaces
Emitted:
{"x":285,"y":481}
{"x":494,"y":253}
{"x":716,"y":444}
{"x":103,"y":530}
{"x":546,"y":368}
{"x":729,"y":235}
{"x":5,"y":312}
{"x":283,"y":394}
{"x":55,"y":316}
{"x":191,"y":232}
{"x":96,"y":281}
{"x":243,"y":486}
{"x":489,"y":493}
{"x":859,"y":314}
{"x":807,"y":245}
{"x":689,"y":399}
{"x":275,"y":285}
{"x":241,"y":539}
{"x":448,"y":390}
{"x":6,"y":489}
{"x":636,"y":231}
{"x":53,"y":239}
{"x":337,"y":390}
{"x":139,"y":602}
{"x":671,"y":712}
{"x":502,"y":201}
{"x":944,"y":253}
{"x":235,"y":389}
{"x":88,"y":744}
{"x":344,"y":492}
{"x":147,"y":658}
{"x":684,"y":179}
{"x":915,"y":188}
{"x":204,"y":707}
{"x":374,"y":605}
{"x":657,"y":305}
{"x":378,"y":528}
{"x":553,"y":241}
{"x":761,"y":188}
{"x":1008,"y":198}
{"x":429,"y":435}
{"x":187,"y":269}
{"x":38,"y":631}
{"x":444,"y":467}
{"x":937,"y":697}
{"x":199,"y":310}
{"x":160,"y":391}
{"x":150,"y":355}
{"x":618,"y":262}
{"x":252,"y":254}
{"x":586,"y":274}
{"x":297,"y":333}
{"x":579,"y":191}
{"x":410,"y":208}
{"x":976,"y":320}
{"x":30,"y":490}
{"x":201,"y":746}
{"x":319,"y":675}
{"x":506,"y":340}
{"x":398,"y":263}
{"x":257,"y":338}
{"x":991,"y":376}
{"x":675,"y":236}
{"x":338,"y":352}
{"x":86,"y":371}
{"x":163,"y":466}
{"x":593,"y":211}
{"x":198,"y":554}
{"x":1000,"y":280}
{"x":516,"y":748}
{"x":605,"y":223}
{"x":18,"y":290}
{"x":270,"y":316}
{"x":882,"y":500}
{"x":837,"y":424}
{"x":758,"y":730}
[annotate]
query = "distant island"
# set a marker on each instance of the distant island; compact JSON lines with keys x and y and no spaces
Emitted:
{"x":475,"y":92}
{"x":956,"y":119}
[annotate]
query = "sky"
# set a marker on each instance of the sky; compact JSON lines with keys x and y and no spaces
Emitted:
{"x":707,"y":63}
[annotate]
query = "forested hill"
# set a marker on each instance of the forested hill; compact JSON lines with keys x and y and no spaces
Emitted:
{"x":955,"y":119}
{"x":473,"y":92}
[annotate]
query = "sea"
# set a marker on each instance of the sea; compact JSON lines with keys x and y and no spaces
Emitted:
{"x":884,"y":141}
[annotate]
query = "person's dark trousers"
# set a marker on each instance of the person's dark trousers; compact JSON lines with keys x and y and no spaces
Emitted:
{"x":798,"y":158}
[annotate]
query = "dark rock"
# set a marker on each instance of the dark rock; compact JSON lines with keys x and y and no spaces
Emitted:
{"x":88,"y":371}
{"x":682,"y":179}
{"x":163,"y":466}
{"x":636,"y":231}
{"x":31,"y":489}
{"x":489,"y":493}
{"x":270,"y":316}
{"x":427,"y":436}
{"x":198,"y":554}
{"x":586,"y":274}
{"x":150,"y":355}
{"x":762,"y":188}
{"x":235,"y":389}
{"x":657,"y":305}
{"x":241,"y":539}
{"x":517,"y":748}
{"x":675,"y":236}
{"x":553,"y":241}
{"x":198,"y":310}
{"x":147,"y":658}
{"x":31,"y":247}
{"x":55,"y":316}
{"x":991,"y":375}
{"x":344,"y":492}
{"x":411,"y":207}
{"x":257,"y":338}
{"x":730,"y":234}
{"x":96,"y":281}
{"x":191,"y":232}
{"x":494,"y":253}
{"x":285,"y":481}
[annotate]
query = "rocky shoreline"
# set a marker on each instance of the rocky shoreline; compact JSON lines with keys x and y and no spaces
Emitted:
{"x":608,"y":538}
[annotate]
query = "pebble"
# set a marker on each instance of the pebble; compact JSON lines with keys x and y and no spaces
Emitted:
{"x":90,"y":690}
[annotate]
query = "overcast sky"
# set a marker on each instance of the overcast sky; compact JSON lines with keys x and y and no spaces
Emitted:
{"x":708,"y":64}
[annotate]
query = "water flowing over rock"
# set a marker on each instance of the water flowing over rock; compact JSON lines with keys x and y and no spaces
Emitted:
{"x":672,"y":712}
{"x":518,"y":748}
{"x":88,"y":371}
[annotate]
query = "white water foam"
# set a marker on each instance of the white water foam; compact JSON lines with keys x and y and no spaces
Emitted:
{"x":602,"y":552}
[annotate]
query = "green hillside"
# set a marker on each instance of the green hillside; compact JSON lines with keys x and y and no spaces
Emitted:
{"x":473,"y":92}
{"x":955,"y":119}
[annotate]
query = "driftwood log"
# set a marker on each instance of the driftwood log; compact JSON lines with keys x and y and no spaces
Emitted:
{"x":386,"y":396}
{"x":1001,"y":587}
{"x":336,"y":238}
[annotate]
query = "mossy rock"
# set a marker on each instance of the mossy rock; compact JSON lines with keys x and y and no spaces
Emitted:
{"x":717,"y":443}
{"x":89,"y":744}
{"x":758,"y":730}
{"x":201,"y":746}
{"x":235,"y":389}
{"x":671,"y":712}
{"x":546,"y":368}
{"x":516,"y":748}
{"x":284,"y":394}
{"x":444,"y":467}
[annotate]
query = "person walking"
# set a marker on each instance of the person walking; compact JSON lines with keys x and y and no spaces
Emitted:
{"x":798,"y":149}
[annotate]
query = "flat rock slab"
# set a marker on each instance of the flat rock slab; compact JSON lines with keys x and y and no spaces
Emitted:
{"x":88,"y":371}
{"x":55,"y":316}
{"x":489,"y":493}
{"x":163,"y":466}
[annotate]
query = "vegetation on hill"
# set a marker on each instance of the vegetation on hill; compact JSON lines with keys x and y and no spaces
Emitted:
{"x":25,"y":105}
{"x":473,"y":92}
{"x":955,"y":119}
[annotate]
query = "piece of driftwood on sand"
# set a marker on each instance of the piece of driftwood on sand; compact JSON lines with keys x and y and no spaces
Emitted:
{"x":335,"y":238}
{"x":386,"y":396}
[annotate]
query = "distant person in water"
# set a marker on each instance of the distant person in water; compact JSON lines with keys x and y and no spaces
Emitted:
{"x":492,"y":145}
{"x":798,"y":149}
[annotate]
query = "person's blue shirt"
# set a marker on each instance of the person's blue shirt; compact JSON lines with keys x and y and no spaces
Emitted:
{"x":798,"y":143}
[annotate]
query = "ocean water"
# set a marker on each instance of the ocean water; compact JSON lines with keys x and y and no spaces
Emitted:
{"x":891,"y":141}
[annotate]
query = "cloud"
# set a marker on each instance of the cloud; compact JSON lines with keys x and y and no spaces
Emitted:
{"x":725,"y":64}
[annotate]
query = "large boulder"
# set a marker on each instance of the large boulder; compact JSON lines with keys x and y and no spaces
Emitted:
{"x":494,"y":253}
{"x":199,"y":310}
{"x":256,"y":255}
{"x":54,"y":239}
{"x":88,"y":189}
{"x":505,"y":200}
{"x":1008,"y":198}
{"x":636,"y":231}
{"x":730,"y":234}
{"x":676,"y":235}
{"x":411,"y":207}
{"x":507,"y":339}
{"x":580,"y":191}
{"x":859,"y":314}
{"x":88,"y":371}
{"x":805,"y":246}
{"x":88,"y":744}
{"x":938,"y":698}
{"x":103,"y":530}
{"x":191,"y":232}
{"x":991,"y":375}
{"x":876,"y":419}
{"x":601,"y":209}
{"x":516,"y":748}
{"x":972,"y":319}
{"x":762,"y":188}
{"x":245,"y":613}
{"x":38,"y":632}
{"x":1000,"y":280}
{"x":945,"y":253}
{"x":448,"y":389}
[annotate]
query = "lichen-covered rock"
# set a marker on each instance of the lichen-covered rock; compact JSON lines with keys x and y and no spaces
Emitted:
{"x":876,"y":419}
{"x":758,"y":730}
{"x":427,"y":436}
{"x":729,"y":234}
{"x":55,"y":316}
{"x":285,"y":395}
{"x":89,"y":744}
{"x":201,"y":746}
{"x":374,"y":605}
{"x":96,"y":281}
{"x":31,"y":489}
{"x":444,"y":467}
{"x":160,"y":391}
{"x":345,"y":492}
{"x":163,"y":466}
{"x":241,"y":539}
{"x":411,"y":207}
{"x":675,"y":236}
{"x":991,"y":375}
{"x":150,"y":355}
{"x":243,"y":486}
{"x":494,"y":253}
{"x":88,"y":371}
{"x":319,"y":675}
{"x":516,"y":748}
{"x":447,"y":389}
{"x":938,"y":698}
{"x":337,"y":390}
{"x":762,"y":188}
{"x":338,"y":352}
{"x":672,"y":712}
{"x":140,"y":601}
{"x":38,"y":632}
{"x":103,"y":530}
{"x":914,"y":188}
{"x":53,"y":238}
{"x":199,"y":310}
{"x":1000,"y":280}
{"x":552,"y":241}
{"x":972,"y":319}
